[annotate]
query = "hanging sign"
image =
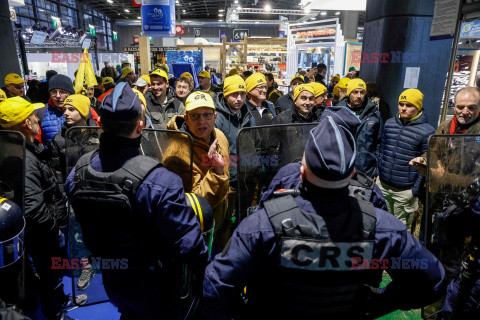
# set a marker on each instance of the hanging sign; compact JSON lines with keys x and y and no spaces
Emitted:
{"x":158,"y":18}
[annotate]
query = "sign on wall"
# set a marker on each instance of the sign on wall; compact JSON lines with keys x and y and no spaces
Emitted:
{"x":158,"y":18}
{"x":197,"y":32}
{"x":240,"y":34}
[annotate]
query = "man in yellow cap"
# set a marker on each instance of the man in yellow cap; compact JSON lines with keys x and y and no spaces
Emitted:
{"x":161,"y":103}
{"x":206,"y":85}
{"x":368,"y":133}
{"x":45,"y":207}
{"x":163,"y":67}
{"x":262,"y":110}
{"x":272,"y":93}
{"x":340,"y":90}
{"x":183,"y":87}
{"x":15,"y":86}
{"x":404,"y":137}
{"x":303,"y":110}
{"x":320,"y":97}
{"x":210,"y":153}
{"x":286,"y":102}
{"x":333,"y":82}
{"x":189,"y":76}
{"x":128,"y":75}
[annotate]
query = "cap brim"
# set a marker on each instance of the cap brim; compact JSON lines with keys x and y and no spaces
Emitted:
{"x":200,"y":106}
{"x":37,"y":106}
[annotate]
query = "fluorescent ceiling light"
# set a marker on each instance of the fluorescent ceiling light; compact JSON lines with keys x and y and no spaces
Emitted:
{"x":220,"y":20}
{"x":324,"y":13}
{"x":126,"y":10}
{"x":268,"y":7}
{"x":337,"y":13}
{"x":110,"y":1}
{"x":236,"y":1}
{"x":220,"y":14}
{"x":221,"y":10}
{"x":139,"y":17}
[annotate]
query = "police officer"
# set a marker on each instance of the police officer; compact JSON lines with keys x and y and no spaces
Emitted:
{"x":322,"y":253}
{"x":130,"y":207}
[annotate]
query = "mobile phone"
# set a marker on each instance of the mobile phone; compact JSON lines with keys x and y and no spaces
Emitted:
{"x":419,"y":164}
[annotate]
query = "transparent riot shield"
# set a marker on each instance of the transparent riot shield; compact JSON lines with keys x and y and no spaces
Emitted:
{"x":173,"y":148}
{"x":12,"y":223}
{"x":262,"y":151}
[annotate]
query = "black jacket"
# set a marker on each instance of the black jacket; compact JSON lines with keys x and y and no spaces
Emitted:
{"x":285,"y":102}
{"x":266,"y":117}
{"x":292,"y":116}
{"x":273,"y":94}
{"x":45,"y":207}
{"x":214,"y":88}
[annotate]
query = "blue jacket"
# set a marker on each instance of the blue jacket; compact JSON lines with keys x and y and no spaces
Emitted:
{"x":401,"y":143}
{"x":161,"y":195}
{"x":254,"y":249}
{"x":367,"y":137}
{"x":50,"y":123}
{"x":288,"y":177}
{"x":230,"y":124}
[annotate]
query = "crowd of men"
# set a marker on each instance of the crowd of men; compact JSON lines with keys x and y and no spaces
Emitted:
{"x":271,"y":253}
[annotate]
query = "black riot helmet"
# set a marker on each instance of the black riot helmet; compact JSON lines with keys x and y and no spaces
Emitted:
{"x":203,"y":210}
{"x":12,"y":227}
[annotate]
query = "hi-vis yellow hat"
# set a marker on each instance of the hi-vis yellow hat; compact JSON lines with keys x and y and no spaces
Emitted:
{"x":13,"y":78}
{"x":158,"y":73}
{"x":234,"y":84}
{"x":355,"y":84}
{"x":255,"y":80}
{"x":3,"y":95}
{"x":413,"y":96}
{"x":146,"y":78}
{"x":197,"y":100}
{"x":15,"y":110}
{"x":204,"y":74}
{"x":318,"y":87}
{"x":298,"y":76}
{"x":187,"y":75}
{"x":342,"y":84}
{"x":79,"y":102}
{"x":107,"y":80}
{"x":302,"y":87}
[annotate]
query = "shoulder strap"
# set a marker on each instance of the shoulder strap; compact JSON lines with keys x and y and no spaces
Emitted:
{"x":83,"y":162}
{"x":369,"y":217}
{"x":41,"y":114}
{"x":132,"y":174}
{"x":278,"y":210}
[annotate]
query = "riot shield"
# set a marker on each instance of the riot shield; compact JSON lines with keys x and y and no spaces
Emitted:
{"x":262,"y":151}
{"x":12,"y":224}
{"x":166,"y":146}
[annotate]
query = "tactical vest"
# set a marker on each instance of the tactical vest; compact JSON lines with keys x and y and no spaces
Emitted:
{"x":315,"y":278}
{"x":105,"y":207}
{"x":361,"y":187}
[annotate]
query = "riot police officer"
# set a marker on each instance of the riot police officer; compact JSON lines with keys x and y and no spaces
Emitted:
{"x":322,"y":253}
{"x":130,"y":207}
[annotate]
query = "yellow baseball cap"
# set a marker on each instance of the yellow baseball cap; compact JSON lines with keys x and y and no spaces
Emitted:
{"x":413,"y":96}
{"x":107,"y":80}
{"x":255,"y":80}
{"x":126,"y":71}
{"x":162,"y":65}
{"x":233,"y":72}
{"x":13,"y":78}
{"x":204,"y":74}
{"x":342,"y":84}
{"x":302,"y":87}
{"x":15,"y":110}
{"x":355,"y":84}
{"x":186,"y":75}
{"x":79,"y":102}
{"x":159,"y":73}
{"x":319,"y":88}
{"x":298,"y":76}
{"x":3,"y":95}
{"x":234,"y":84}
{"x":141,"y":97}
{"x":146,"y":78}
{"x":197,"y":100}
{"x":335,"y":77}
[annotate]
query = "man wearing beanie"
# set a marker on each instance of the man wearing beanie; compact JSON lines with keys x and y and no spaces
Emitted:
{"x":143,"y":218}
{"x":286,"y":102}
{"x":320,"y":97}
{"x":303,"y":110}
{"x":262,"y":110}
{"x":206,"y":85}
{"x":404,"y":137}
{"x":340,"y":90}
{"x":45,"y":210}
{"x":368,"y":133}
{"x":298,"y":252}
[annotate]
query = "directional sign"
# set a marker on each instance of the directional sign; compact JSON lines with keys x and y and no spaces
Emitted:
{"x":197,"y":32}
{"x":240,"y":34}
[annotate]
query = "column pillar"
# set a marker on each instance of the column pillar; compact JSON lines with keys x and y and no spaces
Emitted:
{"x":145,"y":60}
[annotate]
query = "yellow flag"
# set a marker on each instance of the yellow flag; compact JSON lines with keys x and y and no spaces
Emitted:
{"x":85,"y":76}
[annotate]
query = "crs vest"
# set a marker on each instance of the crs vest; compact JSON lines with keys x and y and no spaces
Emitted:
{"x":315,"y":278}
{"x":361,"y":187}
{"x":104,"y":206}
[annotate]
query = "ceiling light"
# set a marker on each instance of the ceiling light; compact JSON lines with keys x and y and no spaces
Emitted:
{"x":307,"y":10}
{"x":313,"y":18}
{"x":177,"y":2}
{"x":184,"y":11}
{"x":236,"y":1}
{"x":139,"y":17}
{"x":239,"y":8}
{"x":324,"y":13}
{"x":337,"y":13}
{"x":256,"y":22}
{"x":221,"y":10}
{"x":268,"y":7}
{"x":220,"y":14}
{"x":126,"y":10}
{"x":110,"y":1}
{"x":220,"y":20}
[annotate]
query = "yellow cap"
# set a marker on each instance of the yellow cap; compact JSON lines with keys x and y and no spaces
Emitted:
{"x":198,"y":99}
{"x":107,"y":80}
{"x":298,"y":76}
{"x":186,"y":75}
{"x":3,"y":95}
{"x":159,"y":73}
{"x":141,"y":97}
{"x":233,"y":72}
{"x":234,"y":84}
{"x":204,"y":74}
{"x":255,"y":80}
{"x":413,"y":96}
{"x":335,"y":91}
{"x":319,"y":88}
{"x":13,"y":78}
{"x":355,"y":84}
{"x":146,"y":78}
{"x":79,"y":102}
{"x":163,"y":66}
{"x":335,"y":77}
{"x":342,"y":84}
{"x":126,"y":71}
{"x":302,"y":87}
{"x":15,"y":110}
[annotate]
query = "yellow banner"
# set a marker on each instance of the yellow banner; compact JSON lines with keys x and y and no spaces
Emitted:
{"x":85,"y":76}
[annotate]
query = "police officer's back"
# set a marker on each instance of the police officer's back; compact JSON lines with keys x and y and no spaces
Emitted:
{"x":309,"y":256}
{"x":130,"y":207}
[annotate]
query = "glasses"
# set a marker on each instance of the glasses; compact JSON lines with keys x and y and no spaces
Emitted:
{"x":196,"y":116}
{"x":62,"y":93}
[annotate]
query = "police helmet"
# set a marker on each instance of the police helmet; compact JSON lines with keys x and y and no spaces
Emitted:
{"x":203,"y":210}
{"x":12,"y":227}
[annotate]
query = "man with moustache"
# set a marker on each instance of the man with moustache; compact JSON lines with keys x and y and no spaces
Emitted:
{"x":369,"y":132}
{"x":303,"y":110}
{"x":183,"y":87}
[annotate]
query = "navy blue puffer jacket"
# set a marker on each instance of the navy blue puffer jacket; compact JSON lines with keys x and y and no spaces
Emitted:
{"x":401,"y":143}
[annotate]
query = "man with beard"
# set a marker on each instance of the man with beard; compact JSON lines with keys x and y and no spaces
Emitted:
{"x":369,"y":132}
{"x":160,"y":106}
{"x":206,"y":85}
{"x":303,"y":108}
{"x":322,"y":73}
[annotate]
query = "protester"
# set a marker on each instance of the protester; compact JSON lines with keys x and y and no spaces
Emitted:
{"x":286,"y":102}
{"x":261,"y":109}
